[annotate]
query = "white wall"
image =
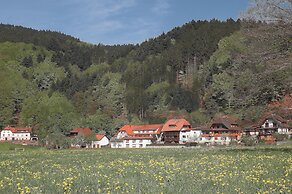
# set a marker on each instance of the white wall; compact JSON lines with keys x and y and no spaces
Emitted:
{"x":139,"y":143}
{"x":283,"y":130}
{"x":103,"y":142}
{"x":189,"y":136}
{"x":270,"y":122}
{"x":9,"y":136}
{"x":217,"y":140}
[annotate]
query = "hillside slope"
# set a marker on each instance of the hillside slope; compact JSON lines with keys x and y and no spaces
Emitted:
{"x":54,"y":82}
{"x":251,"y":68}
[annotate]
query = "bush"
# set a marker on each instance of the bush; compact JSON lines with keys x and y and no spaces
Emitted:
{"x":280,"y":137}
{"x":249,"y":140}
{"x":191,"y":144}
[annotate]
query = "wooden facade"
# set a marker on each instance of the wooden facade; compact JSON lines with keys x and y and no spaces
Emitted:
{"x":171,"y":136}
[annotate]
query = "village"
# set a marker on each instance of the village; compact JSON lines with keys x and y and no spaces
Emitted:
{"x":222,"y":130}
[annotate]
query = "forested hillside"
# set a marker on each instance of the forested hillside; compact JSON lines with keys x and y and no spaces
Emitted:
{"x":54,"y":82}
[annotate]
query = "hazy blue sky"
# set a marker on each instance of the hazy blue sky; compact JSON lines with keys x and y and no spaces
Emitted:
{"x":115,"y":21}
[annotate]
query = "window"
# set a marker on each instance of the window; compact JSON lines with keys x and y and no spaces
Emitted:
{"x":183,"y":136}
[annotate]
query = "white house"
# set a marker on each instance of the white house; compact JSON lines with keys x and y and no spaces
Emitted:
{"x":10,"y":133}
{"x":274,"y":123}
{"x":222,"y":130}
{"x":136,"y":136}
{"x":131,"y":142}
{"x":189,"y":135}
{"x":101,"y":140}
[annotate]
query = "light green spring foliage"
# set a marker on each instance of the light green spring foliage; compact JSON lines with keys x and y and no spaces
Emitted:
{"x":49,"y":113}
{"x":45,"y":74}
{"x":14,"y":88}
{"x":157,"y":87}
{"x":251,"y":67}
{"x":226,"y":48}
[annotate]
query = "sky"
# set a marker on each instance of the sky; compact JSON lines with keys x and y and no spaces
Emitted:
{"x":115,"y":21}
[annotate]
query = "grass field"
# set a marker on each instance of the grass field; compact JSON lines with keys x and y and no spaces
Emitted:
{"x":203,"y":170}
{"x":5,"y":146}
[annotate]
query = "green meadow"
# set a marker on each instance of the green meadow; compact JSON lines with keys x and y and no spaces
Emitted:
{"x":265,"y":169}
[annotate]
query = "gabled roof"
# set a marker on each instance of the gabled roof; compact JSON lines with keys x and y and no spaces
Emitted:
{"x":229,"y":122}
{"x":278,"y":119}
{"x":18,"y":129}
{"x":129,"y":129}
{"x":84,"y":131}
{"x":99,"y":136}
{"x":137,"y":138}
{"x":175,"y":125}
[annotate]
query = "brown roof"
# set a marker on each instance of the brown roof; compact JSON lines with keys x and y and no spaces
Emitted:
{"x":222,"y":129}
{"x":228,"y":121}
{"x":84,"y":131}
{"x":278,"y":119}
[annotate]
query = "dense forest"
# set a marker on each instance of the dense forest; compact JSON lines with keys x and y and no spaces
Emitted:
{"x":54,"y":82}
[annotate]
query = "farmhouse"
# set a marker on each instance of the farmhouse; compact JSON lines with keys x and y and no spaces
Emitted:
{"x":175,"y":131}
{"x":78,"y":138}
{"x":101,"y":140}
{"x":271,"y":124}
{"x":11,"y":133}
{"x":136,"y":136}
{"x":222,"y":131}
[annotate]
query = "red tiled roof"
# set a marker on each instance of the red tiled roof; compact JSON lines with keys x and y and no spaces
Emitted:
{"x":133,"y":138}
{"x":99,"y":136}
{"x":146,"y":127}
{"x":129,"y":129}
{"x":18,"y":129}
{"x":175,"y":125}
{"x":84,"y":131}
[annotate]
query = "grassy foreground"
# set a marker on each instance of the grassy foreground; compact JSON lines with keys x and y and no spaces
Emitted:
{"x":203,"y":170}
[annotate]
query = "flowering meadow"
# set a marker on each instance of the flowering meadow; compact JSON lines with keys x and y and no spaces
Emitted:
{"x":197,"y":170}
